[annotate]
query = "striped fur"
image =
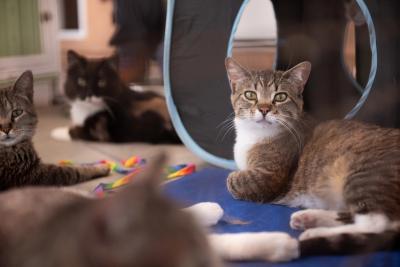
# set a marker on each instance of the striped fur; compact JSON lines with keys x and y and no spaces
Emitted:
{"x":20,"y":164}
{"x":346,"y":166}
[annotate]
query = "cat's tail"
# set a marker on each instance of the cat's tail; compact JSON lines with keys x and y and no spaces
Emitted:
{"x":350,"y":243}
{"x":61,"y":134}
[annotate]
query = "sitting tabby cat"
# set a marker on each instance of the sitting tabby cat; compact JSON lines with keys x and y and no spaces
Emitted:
{"x":104,"y":109}
{"x":20,"y":164}
{"x":346,"y":173}
{"x":138,"y":226}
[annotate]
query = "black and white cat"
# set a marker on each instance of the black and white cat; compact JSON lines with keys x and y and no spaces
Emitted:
{"x":104,"y":109}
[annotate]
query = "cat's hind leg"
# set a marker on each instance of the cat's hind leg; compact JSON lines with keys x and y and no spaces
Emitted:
{"x":311,"y":218}
{"x":268,"y":246}
{"x":363,"y":223}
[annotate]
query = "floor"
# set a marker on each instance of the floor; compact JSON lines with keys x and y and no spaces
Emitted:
{"x":53,"y":151}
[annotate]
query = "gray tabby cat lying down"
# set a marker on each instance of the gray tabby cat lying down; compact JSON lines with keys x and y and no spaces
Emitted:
{"x":20,"y":164}
{"x":138,"y":226}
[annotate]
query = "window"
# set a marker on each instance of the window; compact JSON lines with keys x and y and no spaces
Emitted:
{"x":72,"y":19}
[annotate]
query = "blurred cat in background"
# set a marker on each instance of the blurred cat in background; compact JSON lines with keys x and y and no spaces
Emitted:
{"x":138,"y":226}
{"x":105,"y":109}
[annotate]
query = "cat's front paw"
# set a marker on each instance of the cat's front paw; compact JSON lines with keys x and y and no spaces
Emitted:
{"x":234,"y":185}
{"x":237,"y":186}
{"x":101,"y":171}
{"x":268,"y":246}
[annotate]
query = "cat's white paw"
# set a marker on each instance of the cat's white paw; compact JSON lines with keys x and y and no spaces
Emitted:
{"x":206,"y":213}
{"x":61,"y":134}
{"x":311,"y":218}
{"x":302,"y":219}
{"x":268,"y":246}
{"x":287,"y":248}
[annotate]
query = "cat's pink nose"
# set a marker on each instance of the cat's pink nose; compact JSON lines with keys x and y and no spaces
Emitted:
{"x":6,"y":130}
{"x":264,"y":110}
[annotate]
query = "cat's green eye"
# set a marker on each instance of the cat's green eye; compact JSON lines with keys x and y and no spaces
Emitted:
{"x":250,"y":95}
{"x":82,"y":82}
{"x":16,"y":113}
{"x":102,"y":83}
{"x":280,"y":97}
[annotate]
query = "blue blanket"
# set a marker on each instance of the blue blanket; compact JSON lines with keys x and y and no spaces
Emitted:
{"x":209,"y":185}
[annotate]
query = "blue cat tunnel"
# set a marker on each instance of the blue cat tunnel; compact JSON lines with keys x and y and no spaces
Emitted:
{"x":199,"y":35}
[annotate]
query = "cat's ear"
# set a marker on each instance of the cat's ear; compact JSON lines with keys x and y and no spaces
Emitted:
{"x":24,"y":85}
{"x":236,"y":73}
{"x":74,"y":58}
{"x":115,"y":216}
{"x":299,"y":74}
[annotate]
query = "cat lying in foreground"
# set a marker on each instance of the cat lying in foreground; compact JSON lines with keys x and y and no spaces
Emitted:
{"x":104,"y":109}
{"x":346,"y":173}
{"x":20,"y":164}
{"x":137,"y":226}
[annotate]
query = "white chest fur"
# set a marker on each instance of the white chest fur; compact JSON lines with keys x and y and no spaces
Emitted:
{"x":82,"y":109}
{"x":249,"y":134}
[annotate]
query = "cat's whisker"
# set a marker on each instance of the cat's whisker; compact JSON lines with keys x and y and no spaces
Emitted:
{"x":293,"y":132}
{"x":226,"y":125}
{"x":227,"y":128}
{"x":227,"y":121}
{"x":223,"y":130}
{"x":227,"y":132}
{"x":286,"y":116}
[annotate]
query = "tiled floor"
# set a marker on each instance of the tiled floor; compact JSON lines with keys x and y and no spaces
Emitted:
{"x":53,"y":151}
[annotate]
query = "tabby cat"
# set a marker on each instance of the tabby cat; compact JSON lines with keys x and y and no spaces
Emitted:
{"x":20,"y":164}
{"x":346,"y":173}
{"x":104,"y":109}
{"x":136,"y":227}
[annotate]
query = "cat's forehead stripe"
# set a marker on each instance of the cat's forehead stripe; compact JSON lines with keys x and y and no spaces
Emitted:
{"x":5,"y":102}
{"x":261,"y":80}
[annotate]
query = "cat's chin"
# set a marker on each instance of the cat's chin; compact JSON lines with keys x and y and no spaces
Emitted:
{"x":256,"y":123}
{"x":264,"y":122}
{"x":9,"y":142}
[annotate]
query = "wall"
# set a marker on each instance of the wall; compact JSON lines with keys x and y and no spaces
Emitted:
{"x":98,"y":32}
{"x":257,"y":21}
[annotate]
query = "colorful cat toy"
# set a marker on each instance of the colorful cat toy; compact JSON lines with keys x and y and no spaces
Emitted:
{"x":130,"y":168}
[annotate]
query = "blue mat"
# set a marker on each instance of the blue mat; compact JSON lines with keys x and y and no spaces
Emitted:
{"x":209,"y":185}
